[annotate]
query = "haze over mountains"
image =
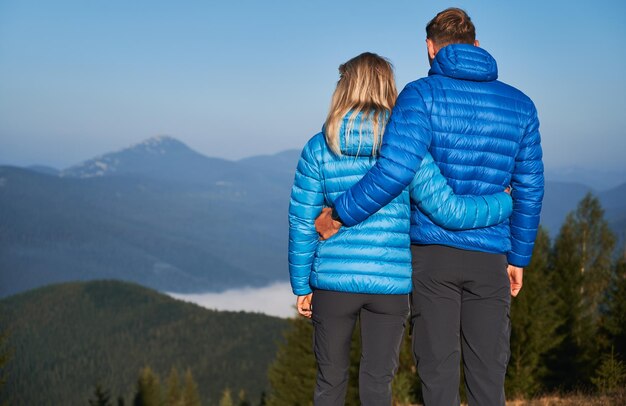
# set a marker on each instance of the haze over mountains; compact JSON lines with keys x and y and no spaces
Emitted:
{"x":157,"y":213}
{"x":165,"y":216}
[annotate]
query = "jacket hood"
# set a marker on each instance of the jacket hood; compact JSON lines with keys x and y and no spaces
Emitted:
{"x":464,"y":61}
{"x":358,"y":139}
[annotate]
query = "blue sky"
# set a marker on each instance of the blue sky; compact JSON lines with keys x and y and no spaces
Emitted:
{"x":240,"y":78}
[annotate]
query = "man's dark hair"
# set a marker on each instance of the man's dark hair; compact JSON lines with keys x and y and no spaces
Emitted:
{"x":451,"y":26}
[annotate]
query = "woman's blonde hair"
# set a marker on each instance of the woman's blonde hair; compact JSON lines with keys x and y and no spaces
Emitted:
{"x":366,"y":85}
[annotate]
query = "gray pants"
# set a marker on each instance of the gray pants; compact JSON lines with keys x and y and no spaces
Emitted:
{"x":460,"y":305}
{"x":383,"y":318}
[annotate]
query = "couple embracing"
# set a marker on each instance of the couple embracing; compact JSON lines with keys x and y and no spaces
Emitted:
{"x":425,"y":204}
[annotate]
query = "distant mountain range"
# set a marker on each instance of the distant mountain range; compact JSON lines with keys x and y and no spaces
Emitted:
{"x":157,"y":213}
{"x":600,"y":178}
{"x":165,"y":216}
{"x":65,"y":339}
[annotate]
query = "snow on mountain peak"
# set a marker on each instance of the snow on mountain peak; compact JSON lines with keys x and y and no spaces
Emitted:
{"x":130,"y":158}
{"x":158,"y":144}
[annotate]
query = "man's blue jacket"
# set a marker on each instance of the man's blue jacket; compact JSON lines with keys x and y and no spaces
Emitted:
{"x":483,"y":135}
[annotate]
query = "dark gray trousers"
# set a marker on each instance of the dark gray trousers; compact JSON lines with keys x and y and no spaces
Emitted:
{"x":460,"y":305}
{"x":383,"y":318}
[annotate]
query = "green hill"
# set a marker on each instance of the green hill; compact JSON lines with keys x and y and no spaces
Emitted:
{"x":66,"y":338}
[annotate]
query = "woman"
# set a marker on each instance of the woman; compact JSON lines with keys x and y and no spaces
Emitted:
{"x":364,"y":271}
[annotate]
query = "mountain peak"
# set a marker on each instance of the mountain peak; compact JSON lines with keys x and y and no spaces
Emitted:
{"x":141,"y":157}
{"x":159,"y":144}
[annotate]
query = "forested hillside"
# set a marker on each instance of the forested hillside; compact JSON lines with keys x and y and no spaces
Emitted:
{"x":64,"y":339}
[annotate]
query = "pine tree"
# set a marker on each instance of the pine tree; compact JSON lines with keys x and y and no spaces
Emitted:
{"x":174,"y":395}
{"x":242,"y":398}
{"x":148,"y":389}
{"x":582,"y":272}
{"x":534,"y":322}
{"x":611,"y":375}
{"x":293,"y":372}
{"x":102,"y":397}
{"x":596,"y":243}
{"x":615,"y":320}
{"x":190,"y":395}
{"x":227,"y":399}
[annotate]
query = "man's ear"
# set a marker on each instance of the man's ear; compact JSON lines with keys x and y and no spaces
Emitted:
{"x":476,"y":43}
{"x":431,"y":49}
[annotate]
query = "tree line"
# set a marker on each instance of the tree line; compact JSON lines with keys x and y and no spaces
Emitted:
{"x":150,"y":391}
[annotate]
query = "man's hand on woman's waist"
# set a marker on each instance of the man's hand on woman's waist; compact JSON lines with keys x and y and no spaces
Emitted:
{"x":327,"y":224}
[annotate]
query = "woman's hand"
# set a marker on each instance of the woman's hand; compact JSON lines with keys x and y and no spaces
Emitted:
{"x":303,"y":304}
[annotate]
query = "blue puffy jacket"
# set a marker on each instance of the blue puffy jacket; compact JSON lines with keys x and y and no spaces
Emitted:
{"x":483,"y":135}
{"x":374,"y":256}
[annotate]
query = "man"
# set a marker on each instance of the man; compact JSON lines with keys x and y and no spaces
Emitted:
{"x":484,"y":136}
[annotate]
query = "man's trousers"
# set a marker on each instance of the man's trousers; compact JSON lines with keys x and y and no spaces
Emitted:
{"x":460,"y":310}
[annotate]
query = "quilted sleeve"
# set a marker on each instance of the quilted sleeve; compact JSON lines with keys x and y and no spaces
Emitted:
{"x":406,"y":140}
{"x":527,"y":191}
{"x":436,"y":199}
{"x":307,"y":200}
